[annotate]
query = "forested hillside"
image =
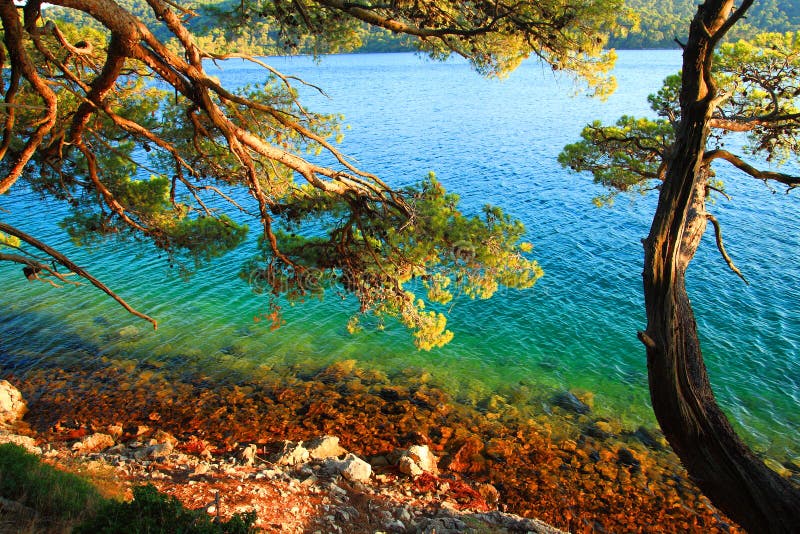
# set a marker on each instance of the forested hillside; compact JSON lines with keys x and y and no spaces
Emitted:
{"x":220,"y":27}
{"x":657,"y":23}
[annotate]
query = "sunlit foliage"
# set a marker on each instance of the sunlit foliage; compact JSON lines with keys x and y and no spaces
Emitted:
{"x":758,"y":81}
{"x":120,"y":120}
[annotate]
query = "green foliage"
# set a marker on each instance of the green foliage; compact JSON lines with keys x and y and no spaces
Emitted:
{"x":270,"y":28}
{"x":626,"y":157}
{"x":153,"y":512}
{"x":49,"y":491}
{"x":762,"y":76}
{"x":759,"y":78}
{"x":396,"y":267}
{"x":208,"y":237}
{"x":9,"y":241}
{"x":658,"y":23}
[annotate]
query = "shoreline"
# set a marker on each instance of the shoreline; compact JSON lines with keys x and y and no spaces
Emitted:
{"x":568,"y":469}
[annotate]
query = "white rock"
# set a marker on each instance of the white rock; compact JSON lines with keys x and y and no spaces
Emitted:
{"x":418,"y":459}
{"x":93,"y":443}
{"x":409,"y":467}
{"x":355,"y":469}
{"x":12,"y":405}
{"x":248,"y":455}
{"x":324,"y":448}
{"x":25,"y":442}
{"x":292,"y":454}
{"x":154,"y":452}
{"x":424,"y":458}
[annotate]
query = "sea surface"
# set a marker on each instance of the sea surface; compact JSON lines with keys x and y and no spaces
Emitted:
{"x":490,"y":141}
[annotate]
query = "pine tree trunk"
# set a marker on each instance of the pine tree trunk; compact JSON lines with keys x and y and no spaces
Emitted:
{"x":735,"y":480}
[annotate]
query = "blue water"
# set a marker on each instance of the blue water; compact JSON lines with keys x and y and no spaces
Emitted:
{"x":490,"y":141}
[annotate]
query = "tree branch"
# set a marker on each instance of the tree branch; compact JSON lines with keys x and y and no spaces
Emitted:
{"x":21,"y":64}
{"x":34,"y":267}
{"x":66,"y":262}
{"x":721,"y":247}
{"x":786,"y":179}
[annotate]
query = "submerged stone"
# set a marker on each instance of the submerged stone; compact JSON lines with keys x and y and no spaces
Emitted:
{"x":569,"y":402}
{"x":649,"y":439}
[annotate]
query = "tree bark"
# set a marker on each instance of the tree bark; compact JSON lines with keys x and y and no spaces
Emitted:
{"x":735,"y":480}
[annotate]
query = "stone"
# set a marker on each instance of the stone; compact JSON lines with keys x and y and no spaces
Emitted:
{"x":154,"y":452}
{"x":418,"y":459}
{"x":489,"y":494}
{"x":247,"y":456}
{"x":379,"y":461}
{"x":165,"y":437}
{"x":324,"y":448}
{"x":569,"y":402}
{"x":649,"y":439}
{"x":12,"y":405}
{"x":394,"y":525}
{"x":409,"y":467}
{"x":93,"y":443}
{"x":355,"y":469}
{"x":291,"y":454}
{"x":27,"y":443}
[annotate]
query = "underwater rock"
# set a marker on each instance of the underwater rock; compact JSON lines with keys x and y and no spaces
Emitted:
{"x":649,"y":439}
{"x":625,"y":457}
{"x":128,"y":332}
{"x":12,"y":405}
{"x":777,"y":467}
{"x":468,"y":458}
{"x":569,"y":402}
{"x":599,"y":430}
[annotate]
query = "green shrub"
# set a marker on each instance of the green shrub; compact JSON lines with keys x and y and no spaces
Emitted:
{"x":52,"y":493}
{"x":152,"y":512}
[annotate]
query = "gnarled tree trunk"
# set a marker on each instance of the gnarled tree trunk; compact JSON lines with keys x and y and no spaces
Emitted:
{"x":735,"y":480}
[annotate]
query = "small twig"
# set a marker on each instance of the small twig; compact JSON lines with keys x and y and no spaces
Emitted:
{"x":647,"y":340}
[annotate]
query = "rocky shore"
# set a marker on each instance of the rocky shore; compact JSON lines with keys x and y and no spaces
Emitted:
{"x":314,"y":486}
{"x":433,"y":464}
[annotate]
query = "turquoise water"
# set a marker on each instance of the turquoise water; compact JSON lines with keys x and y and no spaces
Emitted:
{"x":490,"y":141}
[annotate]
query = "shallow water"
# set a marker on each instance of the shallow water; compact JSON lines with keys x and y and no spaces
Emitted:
{"x":490,"y":141}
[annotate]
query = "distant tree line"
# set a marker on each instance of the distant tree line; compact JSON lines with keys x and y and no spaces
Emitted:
{"x":221,"y":27}
{"x":658,"y":23}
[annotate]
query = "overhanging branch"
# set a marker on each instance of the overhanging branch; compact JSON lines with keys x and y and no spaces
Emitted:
{"x":786,"y":179}
{"x":66,"y":262}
